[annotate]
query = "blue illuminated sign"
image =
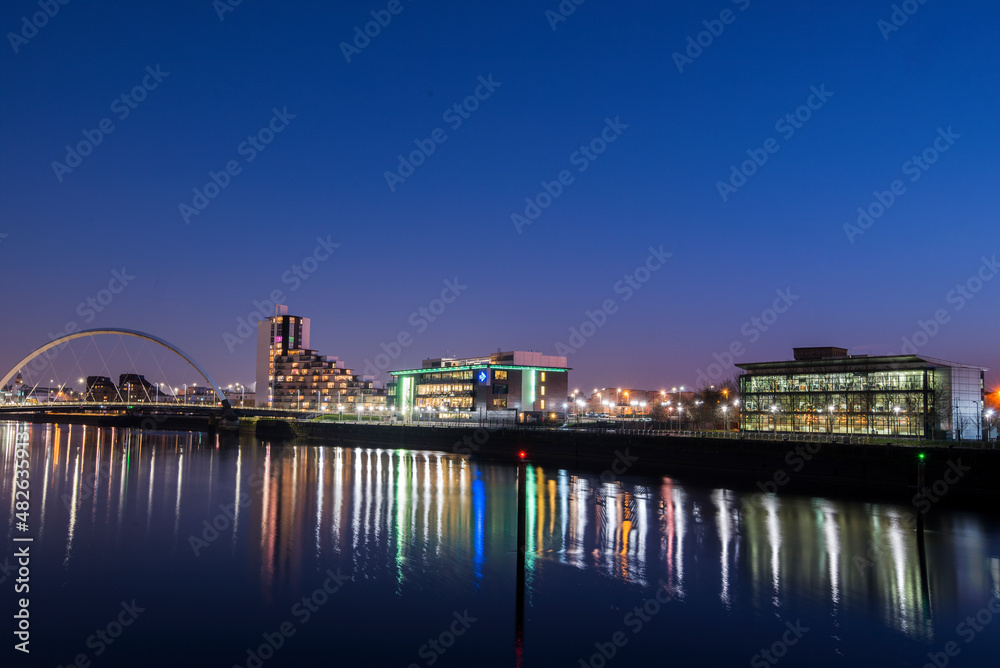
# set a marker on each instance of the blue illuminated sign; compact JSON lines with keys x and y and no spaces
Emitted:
{"x":483,"y":376}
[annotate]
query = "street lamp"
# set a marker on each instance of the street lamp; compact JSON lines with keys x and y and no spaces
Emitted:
{"x":774,"y":418}
{"x":725,"y":418}
{"x":580,"y":403}
{"x":895,"y":409}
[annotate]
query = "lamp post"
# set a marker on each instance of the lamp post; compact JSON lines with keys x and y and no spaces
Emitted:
{"x":895,"y":409}
{"x":988,"y":415}
{"x":774,"y":418}
{"x":725,"y":418}
{"x":580,"y":403}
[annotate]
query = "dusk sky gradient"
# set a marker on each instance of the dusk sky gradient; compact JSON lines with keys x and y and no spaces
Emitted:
{"x":323,"y":176}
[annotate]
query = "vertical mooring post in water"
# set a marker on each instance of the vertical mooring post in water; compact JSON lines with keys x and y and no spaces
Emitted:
{"x":522,"y":505}
{"x":921,"y":548}
{"x":920,"y":488}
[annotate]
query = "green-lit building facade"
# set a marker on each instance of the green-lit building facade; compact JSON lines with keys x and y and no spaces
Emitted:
{"x":515,"y":386}
{"x":827,"y":391}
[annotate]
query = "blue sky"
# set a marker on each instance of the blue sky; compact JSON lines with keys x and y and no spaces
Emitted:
{"x":887,"y":96}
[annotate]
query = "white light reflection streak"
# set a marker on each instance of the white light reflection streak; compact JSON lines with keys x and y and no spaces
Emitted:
{"x":356,"y":504}
{"x":722,"y":521}
{"x":580,"y":504}
{"x":898,"y":550}
{"x":774,"y":538}
{"x":177,"y":507}
{"x":368,"y":494}
{"x":378,"y":495}
{"x":320,"y":469}
{"x":338,"y":494}
{"x":427,"y":500}
{"x":681,"y":526}
{"x":831,"y":534}
{"x":440,"y":504}
{"x":152,"y":483}
{"x":236,"y":507}
{"x":72,"y":510}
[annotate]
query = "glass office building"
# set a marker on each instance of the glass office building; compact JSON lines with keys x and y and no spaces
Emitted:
{"x":514,"y":386}
{"x":827,"y":391}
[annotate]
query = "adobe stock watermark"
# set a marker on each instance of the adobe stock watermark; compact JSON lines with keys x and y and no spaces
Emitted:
{"x":752,"y":330}
{"x":779,"y":648}
{"x":959,"y":297}
{"x":581,"y":158}
{"x":294,"y":277}
{"x":105,"y":637}
{"x":563,"y":11}
{"x":31,"y":25}
{"x":454,"y":116}
{"x":223,"y":7}
{"x":967,"y":630}
{"x":620,"y":465}
{"x":914,"y":168}
{"x":796,"y":459}
{"x":713,"y":29}
{"x":923,"y":501}
{"x":122,"y":106}
{"x":786,"y":125}
{"x":419,"y":320}
{"x":218,"y":181}
{"x":627,"y":286}
{"x":87,"y":310}
{"x":303,"y":611}
{"x":224,"y":519}
{"x":635,"y":620}
{"x":381,"y":18}
{"x":435,"y":648}
{"x":900,"y":14}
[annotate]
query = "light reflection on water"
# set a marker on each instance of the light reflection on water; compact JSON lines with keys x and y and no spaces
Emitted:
{"x":445,"y":525}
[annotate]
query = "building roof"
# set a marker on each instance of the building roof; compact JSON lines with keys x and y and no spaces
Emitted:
{"x":856,"y":363}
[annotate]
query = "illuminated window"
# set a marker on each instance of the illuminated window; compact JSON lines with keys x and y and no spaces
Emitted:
{"x":542,"y":389}
{"x":543,"y":404}
{"x":543,"y":377}
{"x":499,"y":375}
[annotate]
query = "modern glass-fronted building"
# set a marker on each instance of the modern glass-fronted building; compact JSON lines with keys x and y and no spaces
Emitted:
{"x":825,"y":390}
{"x":505,"y":386}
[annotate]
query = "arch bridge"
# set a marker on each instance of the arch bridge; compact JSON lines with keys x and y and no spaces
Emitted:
{"x":41,"y":350}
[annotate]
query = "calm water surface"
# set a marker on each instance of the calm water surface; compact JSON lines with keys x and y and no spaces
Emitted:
{"x":373,"y":557}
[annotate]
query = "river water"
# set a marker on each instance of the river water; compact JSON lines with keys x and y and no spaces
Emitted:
{"x":181,"y":549}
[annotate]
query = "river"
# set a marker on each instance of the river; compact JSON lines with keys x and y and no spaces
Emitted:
{"x":184,"y":549}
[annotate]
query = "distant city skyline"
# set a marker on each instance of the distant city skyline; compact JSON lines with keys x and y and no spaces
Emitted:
{"x":647,"y":190}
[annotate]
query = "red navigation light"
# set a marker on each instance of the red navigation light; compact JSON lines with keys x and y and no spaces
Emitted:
{"x":523,"y":454}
